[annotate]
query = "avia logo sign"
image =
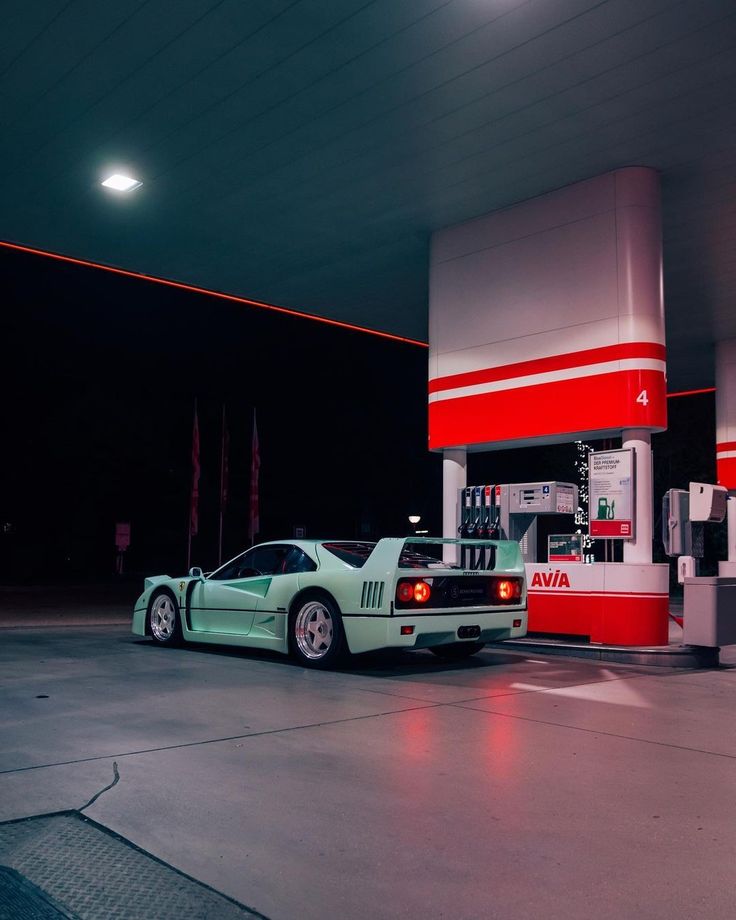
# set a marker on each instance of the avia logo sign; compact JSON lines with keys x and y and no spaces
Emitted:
{"x":556,"y":579}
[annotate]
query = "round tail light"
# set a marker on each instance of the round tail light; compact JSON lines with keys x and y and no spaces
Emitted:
{"x":405,"y":592}
{"x":422,"y":592}
{"x":507,"y":589}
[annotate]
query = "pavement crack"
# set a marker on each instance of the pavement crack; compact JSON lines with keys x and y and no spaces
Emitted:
{"x":220,"y":740}
{"x":115,"y":781}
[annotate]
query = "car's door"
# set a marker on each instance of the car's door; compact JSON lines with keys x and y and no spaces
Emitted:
{"x":226,"y":602}
{"x":273,"y":607}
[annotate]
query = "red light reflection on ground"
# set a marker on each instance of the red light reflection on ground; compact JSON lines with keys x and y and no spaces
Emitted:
{"x":416,"y":734}
{"x":501,"y":747}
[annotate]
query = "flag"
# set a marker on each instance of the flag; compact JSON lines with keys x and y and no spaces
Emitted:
{"x":254,"y":524}
{"x":194,"y":503}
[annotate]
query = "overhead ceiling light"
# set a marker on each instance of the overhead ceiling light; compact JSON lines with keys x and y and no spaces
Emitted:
{"x":121,"y":183}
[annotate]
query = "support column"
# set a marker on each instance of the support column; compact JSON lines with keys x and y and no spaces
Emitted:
{"x":454,"y":477}
{"x":725,"y":441}
{"x":639,"y":550}
{"x":732,"y":528}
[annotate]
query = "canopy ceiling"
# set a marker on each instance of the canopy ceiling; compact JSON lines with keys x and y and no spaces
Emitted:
{"x":302,"y":152}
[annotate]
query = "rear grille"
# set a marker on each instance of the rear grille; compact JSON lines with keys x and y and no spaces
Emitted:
{"x":457,"y":591}
{"x":462,"y":592}
{"x":372,"y":596}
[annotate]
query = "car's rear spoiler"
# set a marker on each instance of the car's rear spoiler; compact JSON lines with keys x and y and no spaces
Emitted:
{"x":506,"y":554}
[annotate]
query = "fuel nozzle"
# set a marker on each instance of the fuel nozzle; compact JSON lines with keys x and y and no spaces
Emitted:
{"x":494,"y":527}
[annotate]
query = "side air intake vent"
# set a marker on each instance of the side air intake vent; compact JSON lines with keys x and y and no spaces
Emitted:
{"x":372,"y":597}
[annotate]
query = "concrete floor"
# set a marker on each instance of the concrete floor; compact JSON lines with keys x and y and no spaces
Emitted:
{"x":506,"y":786}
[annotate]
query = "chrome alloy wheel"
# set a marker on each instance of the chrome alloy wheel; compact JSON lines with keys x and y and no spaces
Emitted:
{"x":163,"y":618}
{"x":313,"y":630}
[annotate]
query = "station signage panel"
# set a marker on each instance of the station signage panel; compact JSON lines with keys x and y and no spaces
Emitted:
{"x":611,"y":494}
{"x":546,"y":320}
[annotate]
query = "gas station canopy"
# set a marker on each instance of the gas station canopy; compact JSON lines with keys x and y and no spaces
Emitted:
{"x":302,"y":153}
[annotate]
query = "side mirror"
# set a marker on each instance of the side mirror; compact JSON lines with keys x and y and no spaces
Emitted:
{"x":196,"y":572}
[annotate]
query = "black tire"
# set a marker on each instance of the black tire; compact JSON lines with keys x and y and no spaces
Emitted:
{"x":164,"y":619}
{"x":456,"y":651}
{"x":316,"y":634}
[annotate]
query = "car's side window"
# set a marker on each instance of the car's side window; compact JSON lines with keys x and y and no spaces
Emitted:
{"x":298,"y":561}
{"x":266,"y":560}
{"x":233,"y":569}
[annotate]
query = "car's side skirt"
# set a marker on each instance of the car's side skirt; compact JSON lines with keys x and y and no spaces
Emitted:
{"x":275,"y":643}
{"x":268,"y":630}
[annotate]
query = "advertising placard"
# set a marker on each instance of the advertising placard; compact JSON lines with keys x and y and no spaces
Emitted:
{"x":611,"y":479}
{"x":122,"y":536}
{"x":565,"y":547}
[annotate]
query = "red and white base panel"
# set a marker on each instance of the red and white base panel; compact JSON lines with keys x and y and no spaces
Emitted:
{"x":726,"y":463}
{"x":609,"y":603}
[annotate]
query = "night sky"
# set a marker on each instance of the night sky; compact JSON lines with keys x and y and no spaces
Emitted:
{"x":100,"y":373}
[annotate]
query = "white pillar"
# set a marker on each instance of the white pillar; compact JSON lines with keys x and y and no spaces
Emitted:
{"x":639,"y":550}
{"x":727,"y":566}
{"x":725,"y":437}
{"x":454,"y":477}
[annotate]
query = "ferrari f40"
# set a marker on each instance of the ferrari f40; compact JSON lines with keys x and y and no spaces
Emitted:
{"x":320,"y":600}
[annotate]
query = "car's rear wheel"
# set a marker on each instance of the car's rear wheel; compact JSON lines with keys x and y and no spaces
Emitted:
{"x":316,"y":635}
{"x":456,"y":651}
{"x":164,"y":622}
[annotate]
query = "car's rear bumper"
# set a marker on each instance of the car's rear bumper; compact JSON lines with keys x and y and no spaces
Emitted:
{"x":366,"y":633}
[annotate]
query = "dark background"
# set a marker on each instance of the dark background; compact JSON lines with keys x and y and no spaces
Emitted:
{"x":99,"y":377}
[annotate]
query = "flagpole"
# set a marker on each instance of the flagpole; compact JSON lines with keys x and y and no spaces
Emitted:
{"x":254,"y":523}
{"x":189,"y":542}
{"x":194,"y":494}
{"x":222,"y":486}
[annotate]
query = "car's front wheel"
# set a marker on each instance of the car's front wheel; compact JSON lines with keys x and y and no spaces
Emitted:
{"x":456,"y":651}
{"x":163,"y":619}
{"x":316,"y":635}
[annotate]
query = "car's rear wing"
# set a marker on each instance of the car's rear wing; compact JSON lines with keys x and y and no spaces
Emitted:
{"x":463,"y":555}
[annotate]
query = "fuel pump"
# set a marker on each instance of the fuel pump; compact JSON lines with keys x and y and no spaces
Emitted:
{"x":684,"y":515}
{"x":708,"y":601}
{"x":520,"y":505}
{"x":510,"y":512}
{"x":489,"y":523}
{"x":466,"y":511}
{"x":478,"y":520}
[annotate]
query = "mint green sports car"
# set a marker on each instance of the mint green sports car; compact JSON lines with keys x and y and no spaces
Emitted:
{"x":321,"y":599}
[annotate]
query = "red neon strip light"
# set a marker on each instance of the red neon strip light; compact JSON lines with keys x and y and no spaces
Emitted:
{"x":691,"y":392}
{"x":553,"y":363}
{"x":233,"y":298}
